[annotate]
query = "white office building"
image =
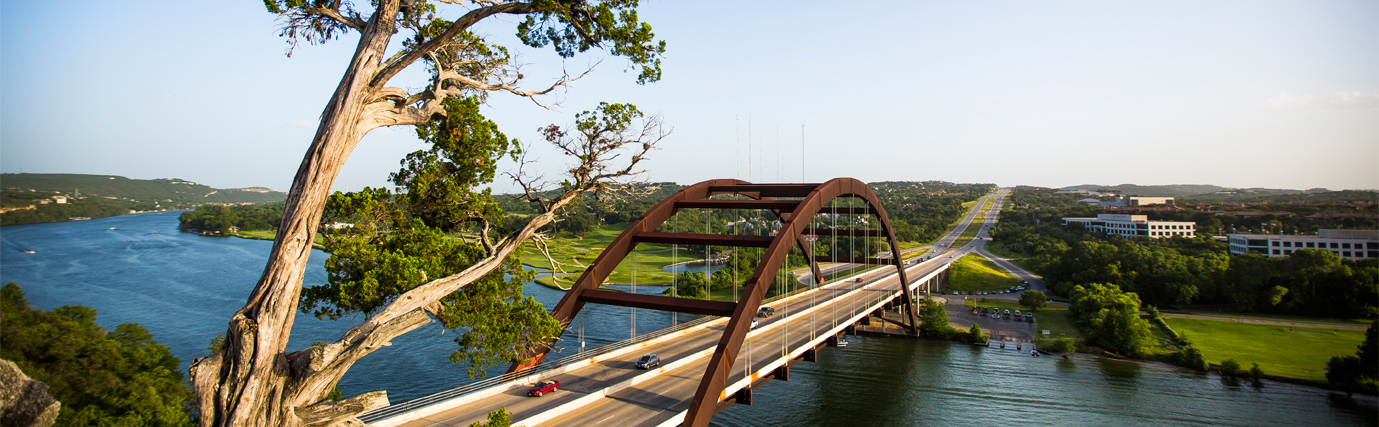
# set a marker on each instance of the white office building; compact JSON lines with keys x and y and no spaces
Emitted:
{"x":1135,"y":225}
{"x":1348,"y":244}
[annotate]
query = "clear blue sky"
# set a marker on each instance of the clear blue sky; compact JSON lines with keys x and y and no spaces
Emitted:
{"x":1280,"y":94}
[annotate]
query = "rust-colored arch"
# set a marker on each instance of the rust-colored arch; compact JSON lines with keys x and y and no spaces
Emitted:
{"x":795,"y":215}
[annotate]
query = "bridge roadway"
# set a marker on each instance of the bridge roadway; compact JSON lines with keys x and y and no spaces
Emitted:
{"x":607,"y":389}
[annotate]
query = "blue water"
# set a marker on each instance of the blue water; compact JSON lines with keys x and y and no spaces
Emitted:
{"x":183,"y":288}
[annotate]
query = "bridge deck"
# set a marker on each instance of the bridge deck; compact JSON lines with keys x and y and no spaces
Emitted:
{"x":608,"y":390}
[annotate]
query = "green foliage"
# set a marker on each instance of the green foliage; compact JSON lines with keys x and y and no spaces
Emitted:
{"x":1182,"y":271}
{"x":1352,"y":372}
{"x":437,"y":185}
{"x":574,"y":27}
{"x":1110,"y":318}
{"x":1033,"y":300}
{"x":1062,"y":347}
{"x":975,"y":334}
{"x":121,"y":377}
{"x":398,"y":242}
{"x":1255,"y":372}
{"x":1193,"y":358}
{"x":219,"y":218}
{"x":933,"y":321}
{"x":499,"y":418}
{"x":1230,"y":367}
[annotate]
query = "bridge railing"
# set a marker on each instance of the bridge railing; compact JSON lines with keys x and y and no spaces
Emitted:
{"x":421,"y":402}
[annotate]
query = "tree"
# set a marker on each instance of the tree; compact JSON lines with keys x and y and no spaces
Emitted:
{"x":976,"y":335}
{"x":1109,"y":317}
{"x":251,"y":381}
{"x":1033,"y":300}
{"x":933,"y":319}
{"x":1230,"y":368}
{"x":1062,"y":347}
{"x":1350,"y":372}
{"x":120,"y":377}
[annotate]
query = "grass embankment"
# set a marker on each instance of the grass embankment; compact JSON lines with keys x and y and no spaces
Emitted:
{"x":272,"y":234}
{"x":974,"y":273}
{"x":970,"y":232}
{"x":1301,"y":352}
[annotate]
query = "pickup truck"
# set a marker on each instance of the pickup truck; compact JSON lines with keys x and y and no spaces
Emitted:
{"x":543,"y":388}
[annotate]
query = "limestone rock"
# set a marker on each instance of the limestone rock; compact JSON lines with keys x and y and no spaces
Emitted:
{"x":23,"y":401}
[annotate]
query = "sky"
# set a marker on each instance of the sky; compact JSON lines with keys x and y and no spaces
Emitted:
{"x":1256,"y":93}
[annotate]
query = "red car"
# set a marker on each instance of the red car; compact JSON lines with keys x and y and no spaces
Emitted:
{"x":543,"y":388}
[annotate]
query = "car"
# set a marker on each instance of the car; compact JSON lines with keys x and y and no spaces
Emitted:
{"x":649,"y":361}
{"x":766,"y":312}
{"x":985,"y":310}
{"x":859,"y":280}
{"x":1017,"y":312}
{"x":754,"y":324}
{"x":543,"y":388}
{"x":1007,"y":311}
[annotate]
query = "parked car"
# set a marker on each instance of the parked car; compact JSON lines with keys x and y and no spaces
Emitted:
{"x":1007,"y":311}
{"x":649,"y":361}
{"x":766,"y":312}
{"x":1017,"y":312}
{"x":543,"y":388}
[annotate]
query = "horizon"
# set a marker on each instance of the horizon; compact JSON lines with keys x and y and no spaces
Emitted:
{"x":771,"y":182}
{"x":1238,"y":94}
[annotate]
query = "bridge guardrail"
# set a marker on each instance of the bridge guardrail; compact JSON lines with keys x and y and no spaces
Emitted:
{"x":424,"y":401}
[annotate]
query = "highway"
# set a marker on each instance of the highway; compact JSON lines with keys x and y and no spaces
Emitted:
{"x":609,"y":390}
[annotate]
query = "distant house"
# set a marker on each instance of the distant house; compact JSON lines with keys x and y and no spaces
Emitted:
{"x":60,"y":199}
{"x":234,"y":229}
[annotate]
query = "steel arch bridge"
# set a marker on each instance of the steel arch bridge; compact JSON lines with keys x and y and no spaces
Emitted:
{"x":796,"y":205}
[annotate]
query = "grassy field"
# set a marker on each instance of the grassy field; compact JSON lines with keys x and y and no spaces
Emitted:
{"x":1297,"y":353}
{"x":576,"y":253}
{"x":1321,"y":322}
{"x":974,"y":273}
{"x":270,"y":235}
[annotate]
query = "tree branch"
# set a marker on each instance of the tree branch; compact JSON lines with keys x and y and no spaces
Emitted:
{"x":397,"y":64}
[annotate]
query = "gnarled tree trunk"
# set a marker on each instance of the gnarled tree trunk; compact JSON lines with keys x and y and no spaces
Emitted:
{"x":258,"y":387}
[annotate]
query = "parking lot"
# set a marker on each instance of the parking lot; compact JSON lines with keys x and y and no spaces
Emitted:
{"x":1003,"y":328}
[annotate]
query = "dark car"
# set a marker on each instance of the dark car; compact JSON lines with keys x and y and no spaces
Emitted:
{"x":766,"y":312}
{"x":543,"y":388}
{"x":649,"y":361}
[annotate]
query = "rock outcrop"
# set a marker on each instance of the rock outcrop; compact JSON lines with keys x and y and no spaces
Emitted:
{"x":23,"y":401}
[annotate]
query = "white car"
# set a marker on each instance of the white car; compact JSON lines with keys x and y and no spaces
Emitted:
{"x":754,"y":324}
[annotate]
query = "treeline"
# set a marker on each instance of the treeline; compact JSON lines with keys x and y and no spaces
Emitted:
{"x":102,"y":378}
{"x":219,"y":218}
{"x":1180,"y":271}
{"x":919,"y":211}
{"x":87,"y":207}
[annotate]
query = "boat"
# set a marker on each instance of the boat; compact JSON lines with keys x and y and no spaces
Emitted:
{"x":30,"y":251}
{"x":842,"y":342}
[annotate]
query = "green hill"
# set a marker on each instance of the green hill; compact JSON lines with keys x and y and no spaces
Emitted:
{"x":28,"y":198}
{"x":138,"y":190}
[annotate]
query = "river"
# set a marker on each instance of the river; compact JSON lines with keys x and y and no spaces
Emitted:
{"x":183,"y":287}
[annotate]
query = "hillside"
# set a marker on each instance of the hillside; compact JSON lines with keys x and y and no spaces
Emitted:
{"x":138,"y":190}
{"x":32,"y":198}
{"x":1177,"y":190}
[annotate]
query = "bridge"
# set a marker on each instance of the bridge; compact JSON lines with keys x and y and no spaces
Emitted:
{"x":721,"y":358}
